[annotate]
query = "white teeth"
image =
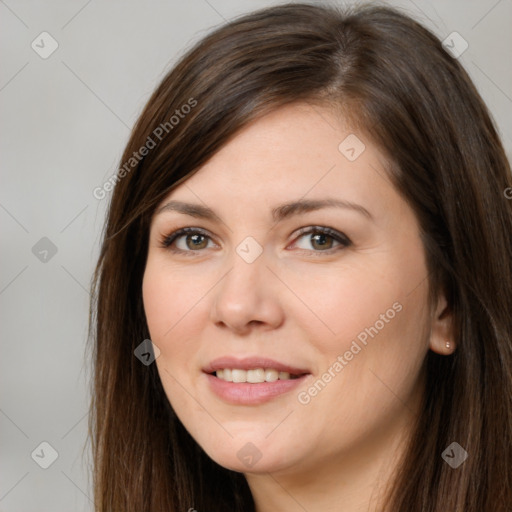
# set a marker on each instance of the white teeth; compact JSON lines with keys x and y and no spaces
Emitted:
{"x":271,"y":375}
{"x":239,"y":375}
{"x":254,"y":376}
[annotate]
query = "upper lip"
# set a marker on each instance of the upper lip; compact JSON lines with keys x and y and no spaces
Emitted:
{"x":250,"y":363}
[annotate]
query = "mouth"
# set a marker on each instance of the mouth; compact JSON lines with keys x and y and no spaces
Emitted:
{"x":252,"y":381}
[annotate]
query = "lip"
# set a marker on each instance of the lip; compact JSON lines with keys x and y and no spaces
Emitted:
{"x":244,"y":393}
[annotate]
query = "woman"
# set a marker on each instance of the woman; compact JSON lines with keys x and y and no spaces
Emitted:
{"x":310,"y":224}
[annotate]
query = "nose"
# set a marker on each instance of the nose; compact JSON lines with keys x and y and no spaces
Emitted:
{"x":247,"y":298}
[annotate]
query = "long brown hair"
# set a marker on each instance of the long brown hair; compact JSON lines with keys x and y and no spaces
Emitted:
{"x":392,"y":79}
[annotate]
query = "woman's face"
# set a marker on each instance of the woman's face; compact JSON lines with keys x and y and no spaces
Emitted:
{"x":302,"y":264}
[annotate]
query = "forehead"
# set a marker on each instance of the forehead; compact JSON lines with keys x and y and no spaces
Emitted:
{"x":298,"y":138}
{"x":296,"y":151}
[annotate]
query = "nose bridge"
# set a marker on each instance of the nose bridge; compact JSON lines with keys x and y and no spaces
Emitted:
{"x":245,"y":280}
{"x":247,"y":263}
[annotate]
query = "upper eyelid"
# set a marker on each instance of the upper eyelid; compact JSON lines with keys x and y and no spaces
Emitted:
{"x":180,"y":232}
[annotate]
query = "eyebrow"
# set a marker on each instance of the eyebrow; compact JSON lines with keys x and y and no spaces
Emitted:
{"x":279,"y":213}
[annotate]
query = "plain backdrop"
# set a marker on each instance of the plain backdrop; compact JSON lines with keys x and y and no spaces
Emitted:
{"x":65,"y":121}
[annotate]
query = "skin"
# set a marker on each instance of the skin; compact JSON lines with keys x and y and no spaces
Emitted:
{"x":303,"y":302}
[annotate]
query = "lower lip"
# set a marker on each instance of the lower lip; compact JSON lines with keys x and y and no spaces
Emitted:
{"x":244,"y":393}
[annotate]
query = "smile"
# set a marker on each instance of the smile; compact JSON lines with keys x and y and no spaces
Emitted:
{"x":251,"y":380}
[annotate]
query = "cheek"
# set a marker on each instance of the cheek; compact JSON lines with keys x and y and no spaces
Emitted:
{"x":371,"y":367}
{"x":374,"y":316}
{"x":336,"y":304}
{"x":176,"y":305}
{"x":168,"y":306}
{"x":158,"y":303}
{"x":365,"y":388}
{"x":169,"y":301}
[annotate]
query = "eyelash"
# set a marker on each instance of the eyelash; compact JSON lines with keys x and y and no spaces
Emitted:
{"x":341,"y":238}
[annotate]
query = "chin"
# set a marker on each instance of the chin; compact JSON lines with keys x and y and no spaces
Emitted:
{"x":251,"y":454}
{"x":251,"y":462}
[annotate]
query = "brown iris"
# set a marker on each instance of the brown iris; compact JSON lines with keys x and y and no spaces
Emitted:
{"x":197,"y":243}
{"x":321,"y":238}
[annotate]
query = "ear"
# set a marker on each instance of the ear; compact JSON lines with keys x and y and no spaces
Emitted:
{"x":441,"y":334}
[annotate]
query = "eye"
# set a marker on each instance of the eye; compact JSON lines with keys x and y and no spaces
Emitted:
{"x":186,"y":240}
{"x":192,"y":240}
{"x":322,"y":239}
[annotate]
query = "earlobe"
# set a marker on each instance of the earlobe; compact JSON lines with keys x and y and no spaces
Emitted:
{"x":441,"y":334}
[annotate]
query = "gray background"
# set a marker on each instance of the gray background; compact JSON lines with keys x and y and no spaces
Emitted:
{"x":65,"y":120}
